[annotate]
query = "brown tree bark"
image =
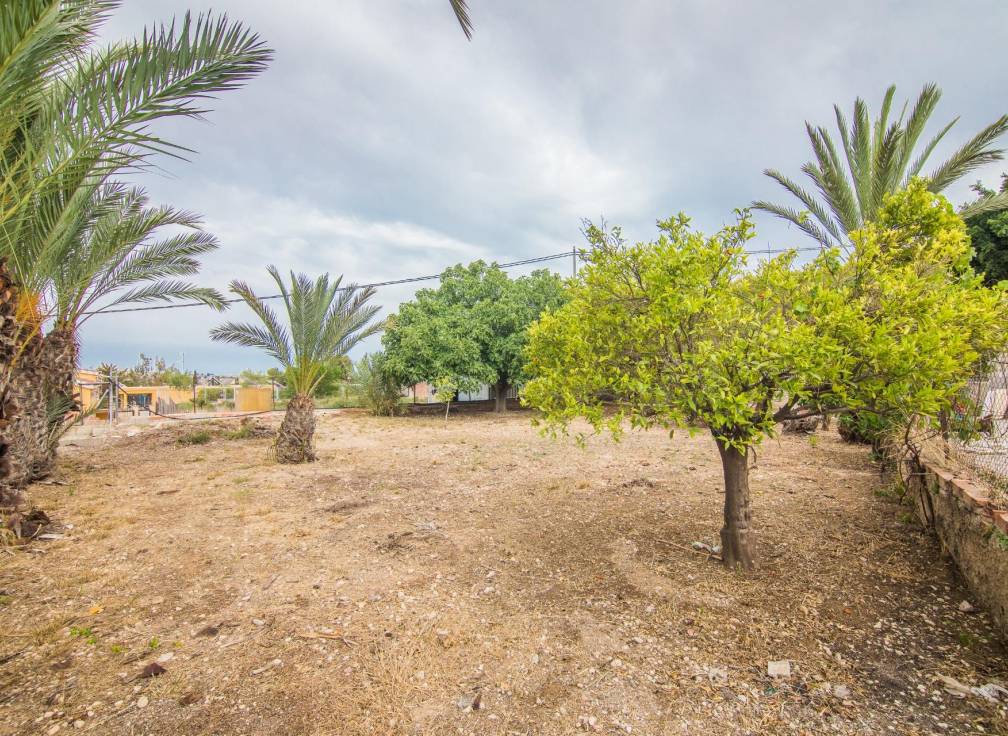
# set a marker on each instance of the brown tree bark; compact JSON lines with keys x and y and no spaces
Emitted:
{"x":10,"y":494}
{"x":738,"y":542}
{"x":57,"y":365}
{"x":294,"y":442}
{"x":20,"y":392}
{"x":500,"y":395}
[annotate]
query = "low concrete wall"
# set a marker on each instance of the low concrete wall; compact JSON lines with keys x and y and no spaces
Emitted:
{"x":972,"y":530}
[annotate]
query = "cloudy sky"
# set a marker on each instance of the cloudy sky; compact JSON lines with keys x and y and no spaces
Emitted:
{"x":381,"y":144}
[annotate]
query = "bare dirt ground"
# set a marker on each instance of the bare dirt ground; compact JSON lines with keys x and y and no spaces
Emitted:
{"x":479,"y":579}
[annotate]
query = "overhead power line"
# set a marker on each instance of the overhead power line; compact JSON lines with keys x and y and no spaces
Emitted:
{"x":408,"y":280}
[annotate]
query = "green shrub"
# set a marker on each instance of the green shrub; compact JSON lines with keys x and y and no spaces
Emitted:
{"x":379,"y":390}
{"x":196,"y":437}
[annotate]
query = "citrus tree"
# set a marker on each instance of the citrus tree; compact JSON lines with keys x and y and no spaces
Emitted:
{"x":683,"y":334}
{"x":471,"y":330}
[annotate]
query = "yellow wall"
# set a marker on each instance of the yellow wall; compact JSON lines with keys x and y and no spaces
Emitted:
{"x":254,"y":398}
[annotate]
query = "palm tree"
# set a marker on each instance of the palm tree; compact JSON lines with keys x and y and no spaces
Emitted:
{"x":112,"y":261}
{"x":876,"y":158}
{"x":72,"y":115}
{"x":324,"y":321}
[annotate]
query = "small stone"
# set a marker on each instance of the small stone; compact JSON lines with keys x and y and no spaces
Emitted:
{"x":779,"y":668}
{"x":79,"y":723}
{"x":841,"y":692}
{"x":142,"y":701}
{"x":966,"y":607}
{"x":259,"y":621}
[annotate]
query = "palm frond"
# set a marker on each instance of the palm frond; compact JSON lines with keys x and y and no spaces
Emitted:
{"x":324,"y":318}
{"x":461,"y":10}
{"x":988,"y":205}
{"x":977,"y":152}
{"x":879,"y":157}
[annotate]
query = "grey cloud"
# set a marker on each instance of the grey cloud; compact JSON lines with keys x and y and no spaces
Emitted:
{"x":382,"y":144}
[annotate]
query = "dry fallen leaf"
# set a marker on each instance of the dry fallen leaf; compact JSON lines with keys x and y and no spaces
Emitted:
{"x":95,"y":610}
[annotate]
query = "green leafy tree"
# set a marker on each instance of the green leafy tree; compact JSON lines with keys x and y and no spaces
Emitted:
{"x":471,"y":330}
{"x":681,"y":333}
{"x":324,"y":321}
{"x":876,"y":158}
{"x":989,"y":234}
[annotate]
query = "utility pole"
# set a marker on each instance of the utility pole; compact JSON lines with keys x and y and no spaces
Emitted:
{"x":574,"y":261}
{"x":194,"y":392}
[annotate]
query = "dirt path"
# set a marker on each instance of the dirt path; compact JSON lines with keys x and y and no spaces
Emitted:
{"x":415,"y":569}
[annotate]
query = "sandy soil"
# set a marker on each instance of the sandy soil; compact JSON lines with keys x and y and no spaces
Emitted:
{"x":479,"y":579}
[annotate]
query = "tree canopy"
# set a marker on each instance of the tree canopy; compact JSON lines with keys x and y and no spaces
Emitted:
{"x":682,"y":333}
{"x":988,"y":232}
{"x":472,"y":329}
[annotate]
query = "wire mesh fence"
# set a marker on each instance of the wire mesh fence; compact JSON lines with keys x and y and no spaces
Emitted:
{"x":977,"y":431}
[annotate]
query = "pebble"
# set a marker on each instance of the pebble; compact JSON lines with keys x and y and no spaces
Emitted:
{"x":779,"y":668}
{"x":142,"y":701}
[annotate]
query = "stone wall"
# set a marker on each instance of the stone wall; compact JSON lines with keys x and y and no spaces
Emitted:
{"x":972,"y":530}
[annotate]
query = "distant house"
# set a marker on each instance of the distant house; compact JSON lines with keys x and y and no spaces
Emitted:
{"x":92,"y":388}
{"x":425,"y":393}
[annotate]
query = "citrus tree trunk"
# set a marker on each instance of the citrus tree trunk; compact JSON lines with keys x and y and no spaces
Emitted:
{"x":500,"y":391}
{"x":738,"y":544}
{"x":297,"y":431}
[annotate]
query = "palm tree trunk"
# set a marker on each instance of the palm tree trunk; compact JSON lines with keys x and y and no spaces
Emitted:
{"x":294,"y":440}
{"x":20,"y":393}
{"x":10,"y":494}
{"x":58,"y":362}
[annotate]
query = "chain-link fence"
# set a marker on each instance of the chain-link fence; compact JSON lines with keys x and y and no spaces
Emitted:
{"x":977,"y":431}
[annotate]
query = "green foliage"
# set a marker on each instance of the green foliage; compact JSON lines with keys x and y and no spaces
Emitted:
{"x":195,"y":437}
{"x":324,"y":321}
{"x":155,"y":372}
{"x":380,"y":391}
{"x":679,"y":330}
{"x":85,"y":633}
{"x":875,"y":159}
{"x":472,"y":329}
{"x":989,"y":234}
{"x":73,"y":114}
{"x":335,"y":371}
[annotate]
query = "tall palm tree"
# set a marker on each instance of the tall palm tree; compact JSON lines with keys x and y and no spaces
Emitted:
{"x":72,"y":115}
{"x":324,"y":321}
{"x":112,"y":260}
{"x":876,"y":158}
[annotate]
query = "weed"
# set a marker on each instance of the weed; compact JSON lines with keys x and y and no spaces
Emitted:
{"x":243,"y":432}
{"x":5,"y":600}
{"x":966,"y":639}
{"x":196,"y":437}
{"x":154,"y":643}
{"x":85,"y":633}
{"x":1000,"y":539}
{"x":117,"y":649}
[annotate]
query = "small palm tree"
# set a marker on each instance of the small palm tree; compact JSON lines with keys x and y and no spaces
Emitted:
{"x":876,"y":158}
{"x":325,"y":321}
